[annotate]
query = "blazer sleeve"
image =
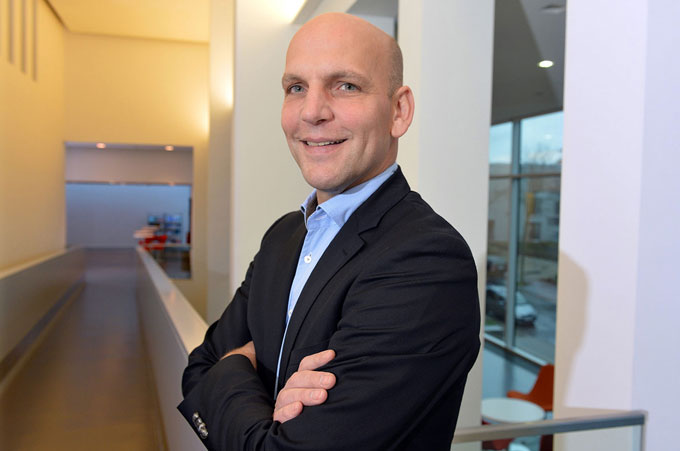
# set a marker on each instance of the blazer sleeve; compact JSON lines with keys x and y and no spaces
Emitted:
{"x":407,"y":337}
{"x":229,"y":332}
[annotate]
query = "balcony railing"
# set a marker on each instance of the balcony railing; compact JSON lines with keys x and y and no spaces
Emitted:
{"x":620,"y":431}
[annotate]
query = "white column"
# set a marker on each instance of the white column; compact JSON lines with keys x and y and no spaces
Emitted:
{"x":266,"y":182}
{"x":618,"y":294}
{"x":447,"y":48}
{"x":219,"y":181}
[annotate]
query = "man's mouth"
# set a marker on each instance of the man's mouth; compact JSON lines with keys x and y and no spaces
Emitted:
{"x":323,"y":143}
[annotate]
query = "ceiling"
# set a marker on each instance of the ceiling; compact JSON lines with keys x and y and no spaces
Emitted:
{"x":525,"y":32}
{"x":175,"y":20}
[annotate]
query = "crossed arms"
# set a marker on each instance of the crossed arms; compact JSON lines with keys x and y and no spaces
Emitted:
{"x":306,"y":387}
{"x":403,"y":327}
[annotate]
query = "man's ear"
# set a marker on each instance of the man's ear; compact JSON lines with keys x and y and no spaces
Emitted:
{"x":402,"y":111}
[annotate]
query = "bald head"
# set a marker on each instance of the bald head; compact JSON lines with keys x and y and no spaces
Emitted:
{"x":344,"y":108}
{"x":348,"y":30}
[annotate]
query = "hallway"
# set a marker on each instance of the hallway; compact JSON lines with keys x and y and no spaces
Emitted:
{"x":88,"y":385}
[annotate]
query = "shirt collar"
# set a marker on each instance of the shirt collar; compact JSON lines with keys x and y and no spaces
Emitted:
{"x":341,"y":206}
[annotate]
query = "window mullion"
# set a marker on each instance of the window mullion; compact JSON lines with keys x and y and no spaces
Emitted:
{"x":513,"y":241}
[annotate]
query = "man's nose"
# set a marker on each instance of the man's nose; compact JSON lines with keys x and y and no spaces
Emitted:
{"x":316,"y":108}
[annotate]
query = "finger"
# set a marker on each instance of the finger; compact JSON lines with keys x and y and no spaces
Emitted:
{"x":306,"y":396}
{"x":314,"y":361}
{"x":311,"y":379}
{"x":288,"y":412}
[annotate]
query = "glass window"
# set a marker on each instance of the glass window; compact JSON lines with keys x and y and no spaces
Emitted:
{"x":524,"y":205}
{"x":500,"y":148}
{"x":497,"y":260}
{"x":541,"y":143}
{"x":536,"y":280}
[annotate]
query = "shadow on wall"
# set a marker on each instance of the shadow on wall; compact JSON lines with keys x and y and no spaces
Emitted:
{"x":573,"y":283}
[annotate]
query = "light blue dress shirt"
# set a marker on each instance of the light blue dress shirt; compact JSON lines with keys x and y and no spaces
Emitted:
{"x":322,"y":226}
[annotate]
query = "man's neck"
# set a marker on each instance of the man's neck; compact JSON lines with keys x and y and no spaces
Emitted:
{"x":313,"y":203}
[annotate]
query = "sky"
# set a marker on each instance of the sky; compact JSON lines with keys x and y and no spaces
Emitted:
{"x":541,"y":140}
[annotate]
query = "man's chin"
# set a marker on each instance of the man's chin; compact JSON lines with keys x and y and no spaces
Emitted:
{"x":326,"y":188}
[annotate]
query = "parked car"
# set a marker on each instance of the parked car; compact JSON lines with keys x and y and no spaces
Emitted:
{"x":525,"y":313}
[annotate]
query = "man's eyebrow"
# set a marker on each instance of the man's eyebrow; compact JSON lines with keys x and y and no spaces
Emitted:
{"x":288,"y":78}
{"x":348,"y":75}
{"x":337,"y":75}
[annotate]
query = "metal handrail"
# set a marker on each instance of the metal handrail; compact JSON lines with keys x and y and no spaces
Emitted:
{"x":548,"y":427}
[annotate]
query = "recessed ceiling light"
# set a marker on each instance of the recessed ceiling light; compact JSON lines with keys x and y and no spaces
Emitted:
{"x":545,"y":64}
{"x":101,"y":146}
{"x":169,"y":148}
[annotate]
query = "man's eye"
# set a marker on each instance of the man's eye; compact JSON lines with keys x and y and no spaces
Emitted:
{"x":295,"y":89}
{"x":349,"y":87}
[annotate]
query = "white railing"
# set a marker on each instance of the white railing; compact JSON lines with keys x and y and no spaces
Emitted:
{"x":172,"y":328}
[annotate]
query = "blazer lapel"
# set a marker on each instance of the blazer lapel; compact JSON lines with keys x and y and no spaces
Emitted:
{"x":273,"y":311}
{"x":344,"y":247}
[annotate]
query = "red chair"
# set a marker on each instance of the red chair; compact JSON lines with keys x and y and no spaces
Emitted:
{"x":146,"y":242}
{"x":158,"y":244}
{"x":542,"y":392}
{"x":154,"y":243}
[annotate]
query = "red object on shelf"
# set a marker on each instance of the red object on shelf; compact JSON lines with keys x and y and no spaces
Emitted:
{"x":542,"y":391}
{"x":154,"y":243}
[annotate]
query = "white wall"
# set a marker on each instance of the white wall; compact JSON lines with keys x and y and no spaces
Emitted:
{"x":658,"y":294}
{"x":101,"y":215}
{"x":32,"y":219}
{"x":266,"y":182}
{"x":129,"y":165}
{"x":618,"y":294}
{"x":447,"y":48}
{"x":219,"y":156}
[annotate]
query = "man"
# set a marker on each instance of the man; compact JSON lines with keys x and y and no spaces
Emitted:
{"x":358,"y":320}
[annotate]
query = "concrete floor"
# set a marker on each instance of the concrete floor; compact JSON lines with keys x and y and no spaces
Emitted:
{"x":88,"y":384}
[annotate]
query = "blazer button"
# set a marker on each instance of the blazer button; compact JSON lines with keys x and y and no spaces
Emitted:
{"x":200,"y":426}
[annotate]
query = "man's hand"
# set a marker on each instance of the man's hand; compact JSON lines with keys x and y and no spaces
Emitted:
{"x":247,"y":350}
{"x":305,"y":387}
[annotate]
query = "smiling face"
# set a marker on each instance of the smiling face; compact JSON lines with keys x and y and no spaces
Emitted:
{"x":340,"y":116}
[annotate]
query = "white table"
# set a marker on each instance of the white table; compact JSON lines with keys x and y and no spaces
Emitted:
{"x":510,"y":410}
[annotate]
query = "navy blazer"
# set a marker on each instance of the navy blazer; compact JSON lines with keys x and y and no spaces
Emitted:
{"x":394,"y":294}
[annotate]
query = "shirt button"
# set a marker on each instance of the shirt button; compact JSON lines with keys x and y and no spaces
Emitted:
{"x":290,"y":313}
{"x":308,"y":258}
